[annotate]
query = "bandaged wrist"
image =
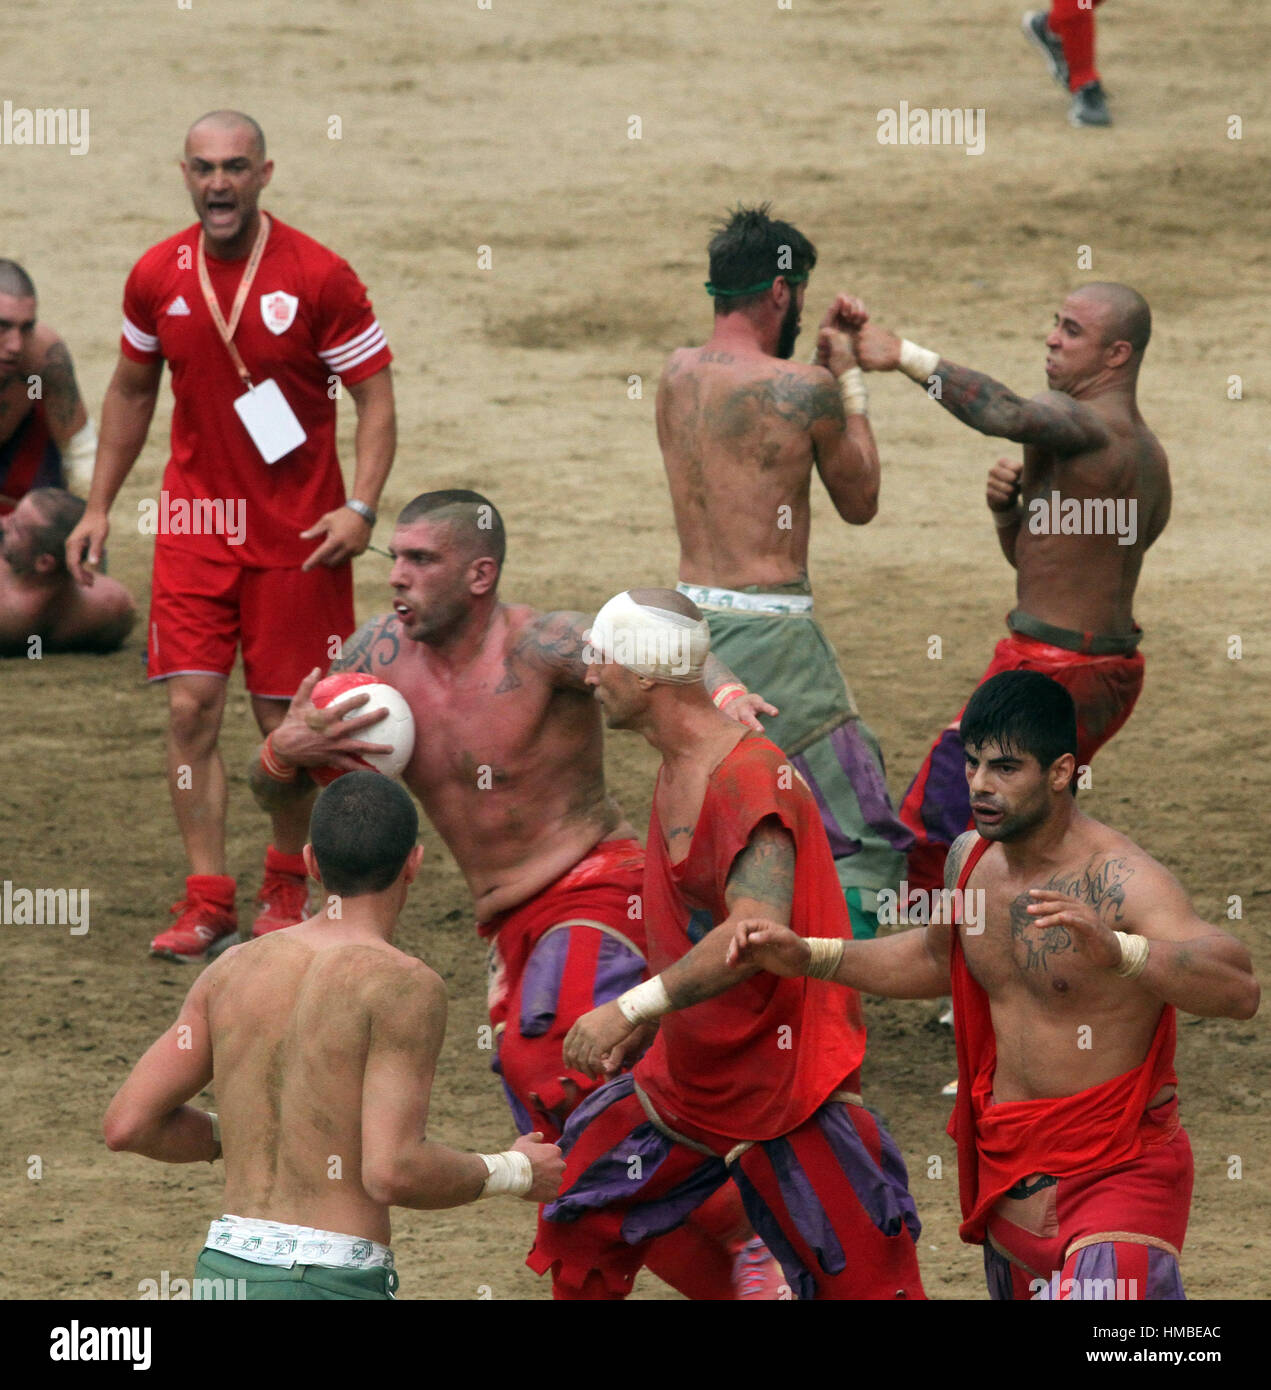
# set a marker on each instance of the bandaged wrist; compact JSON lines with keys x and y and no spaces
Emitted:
{"x":645,"y":1002}
{"x":731,"y":691}
{"x":916,"y":362}
{"x":510,"y":1174}
{"x":827,"y":953}
{"x":271,"y":766}
{"x":1133,"y":955}
{"x":216,"y":1134}
{"x":1010,"y":517}
{"x":79,"y":456}
{"x":854,"y":392}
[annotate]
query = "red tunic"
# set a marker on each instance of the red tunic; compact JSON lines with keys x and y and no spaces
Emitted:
{"x":758,"y":1060}
{"x":998,"y":1144}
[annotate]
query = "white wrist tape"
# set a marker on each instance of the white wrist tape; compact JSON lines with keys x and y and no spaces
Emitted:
{"x":216,"y":1125}
{"x":827,"y":953}
{"x":917,"y":362}
{"x":854,"y":392}
{"x":79,"y":457}
{"x":1011,"y":517}
{"x":1133,"y":955}
{"x":645,"y":1002}
{"x":511,"y":1174}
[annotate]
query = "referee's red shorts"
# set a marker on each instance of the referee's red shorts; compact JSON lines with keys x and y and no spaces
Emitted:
{"x":286,"y":620}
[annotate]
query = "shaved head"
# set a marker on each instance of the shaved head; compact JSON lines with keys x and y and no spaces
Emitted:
{"x":230,"y":120}
{"x":15,"y":281}
{"x":1126,"y":316}
{"x":473,"y":520}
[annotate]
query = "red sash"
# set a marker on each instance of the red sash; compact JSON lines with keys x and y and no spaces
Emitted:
{"x":998,"y":1144}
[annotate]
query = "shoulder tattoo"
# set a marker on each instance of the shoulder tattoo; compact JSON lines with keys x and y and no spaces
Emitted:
{"x":372,"y":647}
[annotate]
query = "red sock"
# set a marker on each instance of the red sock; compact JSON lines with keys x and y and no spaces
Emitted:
{"x":1072,"y":21}
{"x":216,"y":890}
{"x":276,"y":862}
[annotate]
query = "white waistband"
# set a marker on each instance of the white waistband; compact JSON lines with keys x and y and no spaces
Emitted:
{"x":277,"y":1243}
{"x":733,"y":599}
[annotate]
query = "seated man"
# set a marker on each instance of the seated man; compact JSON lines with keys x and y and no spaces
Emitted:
{"x":39,"y":599}
{"x":320,"y":1040}
{"x":46,"y":437}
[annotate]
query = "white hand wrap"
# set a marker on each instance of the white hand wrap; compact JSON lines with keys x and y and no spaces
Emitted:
{"x":511,"y":1174}
{"x":1133,"y":955}
{"x":79,"y":457}
{"x":216,"y":1125}
{"x":854,"y":392}
{"x":916,"y":362}
{"x":645,"y":1002}
{"x":827,"y":953}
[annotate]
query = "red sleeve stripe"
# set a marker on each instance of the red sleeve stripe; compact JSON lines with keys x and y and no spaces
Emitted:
{"x":356,"y":350}
{"x":143,"y":342}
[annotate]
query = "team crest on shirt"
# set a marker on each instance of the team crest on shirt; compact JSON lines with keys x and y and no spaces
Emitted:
{"x":278,"y":310}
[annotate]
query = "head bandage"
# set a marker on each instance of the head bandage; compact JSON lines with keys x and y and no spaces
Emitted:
{"x":653,"y":642}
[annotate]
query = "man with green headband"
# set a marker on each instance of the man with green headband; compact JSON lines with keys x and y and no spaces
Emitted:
{"x":741,"y":428}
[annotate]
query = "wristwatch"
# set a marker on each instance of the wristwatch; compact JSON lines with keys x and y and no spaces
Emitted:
{"x":366,"y":513}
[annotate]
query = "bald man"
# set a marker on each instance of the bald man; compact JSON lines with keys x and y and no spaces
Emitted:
{"x":1074,"y":517}
{"x":46,"y":437}
{"x":262,"y":328}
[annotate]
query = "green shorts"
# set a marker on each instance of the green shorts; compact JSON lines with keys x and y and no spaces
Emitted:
{"x":298,"y":1282}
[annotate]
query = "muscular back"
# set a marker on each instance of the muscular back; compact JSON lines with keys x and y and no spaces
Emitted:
{"x":739,"y":434}
{"x":1087,"y":581}
{"x":508,"y":761}
{"x":291,"y":1021}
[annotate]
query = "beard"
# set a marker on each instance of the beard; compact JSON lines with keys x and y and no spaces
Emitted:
{"x":789,"y":330}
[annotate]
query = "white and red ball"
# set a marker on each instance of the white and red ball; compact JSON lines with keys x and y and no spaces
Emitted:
{"x":397,"y":727}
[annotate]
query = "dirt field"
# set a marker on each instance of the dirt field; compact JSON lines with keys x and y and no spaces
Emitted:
{"x":508,"y":128}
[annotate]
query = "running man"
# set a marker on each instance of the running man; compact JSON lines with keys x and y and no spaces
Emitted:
{"x":748,"y":1077}
{"x":320,"y":1042}
{"x":46,"y":436}
{"x":42,"y":609}
{"x":1074,"y":517}
{"x":254,"y":545}
{"x":509,"y":767}
{"x":741,"y":429}
{"x":1073,"y":1170}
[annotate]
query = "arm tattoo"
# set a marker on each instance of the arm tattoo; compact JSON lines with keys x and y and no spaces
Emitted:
{"x":764,"y":870}
{"x":554,"y":642}
{"x":374,"y":645}
{"x":61,"y":392}
{"x":1059,"y":423}
{"x":1102,"y":885}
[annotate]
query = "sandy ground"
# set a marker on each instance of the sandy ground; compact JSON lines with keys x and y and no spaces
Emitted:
{"x":508,"y":128}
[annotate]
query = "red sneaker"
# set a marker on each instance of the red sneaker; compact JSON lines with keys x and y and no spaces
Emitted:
{"x":284,"y":901}
{"x":199,"y":933}
{"x":756,"y":1273}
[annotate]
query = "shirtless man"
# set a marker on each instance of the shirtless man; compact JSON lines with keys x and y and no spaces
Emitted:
{"x":748,"y":1079}
{"x":1074,"y":517}
{"x":508,"y":765}
{"x":42,"y":609}
{"x":320,"y":1041}
{"x":1073,"y":1171}
{"x":741,"y":429}
{"x":46,"y":437}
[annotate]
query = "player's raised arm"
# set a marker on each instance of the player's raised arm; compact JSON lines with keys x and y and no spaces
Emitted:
{"x":149,"y":1114}
{"x":842,"y":437}
{"x":1052,"y":420}
{"x":400,"y":1165}
{"x":1152,"y":935}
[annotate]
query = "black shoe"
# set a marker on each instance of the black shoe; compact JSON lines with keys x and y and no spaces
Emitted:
{"x":1047,"y":43}
{"x":1089,"y":106}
